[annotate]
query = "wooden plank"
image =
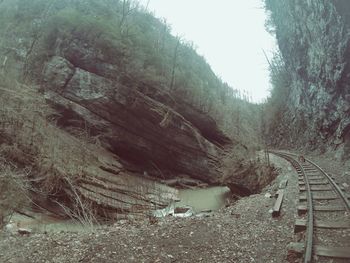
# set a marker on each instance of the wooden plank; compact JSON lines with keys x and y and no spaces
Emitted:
{"x":283,"y":184}
{"x":300,"y":225}
{"x":278,"y":204}
{"x":334,"y":252}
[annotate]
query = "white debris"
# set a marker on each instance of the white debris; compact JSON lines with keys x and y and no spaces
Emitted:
{"x":268,"y":195}
{"x":24,"y":231}
{"x":11,"y":227}
{"x":185,"y":211}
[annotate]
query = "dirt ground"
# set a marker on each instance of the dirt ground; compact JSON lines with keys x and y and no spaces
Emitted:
{"x":243,"y":232}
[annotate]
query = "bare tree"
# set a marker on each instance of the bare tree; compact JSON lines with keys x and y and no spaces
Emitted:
{"x":147,"y":4}
{"x":160,"y":43}
{"x":175,"y":57}
{"x":128,"y":7}
{"x":36,"y":34}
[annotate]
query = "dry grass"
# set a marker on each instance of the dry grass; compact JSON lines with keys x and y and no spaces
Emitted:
{"x":56,"y":159}
{"x":30,"y":144}
{"x":14,"y":189}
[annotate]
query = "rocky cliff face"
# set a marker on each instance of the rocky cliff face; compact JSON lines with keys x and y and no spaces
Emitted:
{"x":314,"y":40}
{"x":144,"y":132}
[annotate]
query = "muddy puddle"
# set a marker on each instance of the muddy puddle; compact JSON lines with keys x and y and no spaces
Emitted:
{"x":212,"y":198}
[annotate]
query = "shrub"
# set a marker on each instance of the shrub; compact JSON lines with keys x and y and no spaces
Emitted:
{"x":14,"y":189}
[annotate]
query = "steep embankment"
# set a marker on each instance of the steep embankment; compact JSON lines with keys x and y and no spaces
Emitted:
{"x":310,"y":102}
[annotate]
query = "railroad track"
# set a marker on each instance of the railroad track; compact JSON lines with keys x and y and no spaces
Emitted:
{"x":324,"y":213}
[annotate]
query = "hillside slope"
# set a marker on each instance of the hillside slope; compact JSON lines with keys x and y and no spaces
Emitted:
{"x":130,"y":106}
{"x":120,"y":40}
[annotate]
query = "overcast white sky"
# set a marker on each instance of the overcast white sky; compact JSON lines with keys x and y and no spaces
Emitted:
{"x":230,"y":34}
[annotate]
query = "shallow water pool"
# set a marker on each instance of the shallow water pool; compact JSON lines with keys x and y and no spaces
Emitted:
{"x":212,"y":198}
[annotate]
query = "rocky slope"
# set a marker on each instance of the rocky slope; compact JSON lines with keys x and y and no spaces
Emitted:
{"x":145,"y":132}
{"x":62,"y":173}
{"x":314,"y":41}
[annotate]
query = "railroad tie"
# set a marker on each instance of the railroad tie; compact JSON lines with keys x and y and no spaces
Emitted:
{"x":316,"y":188}
{"x":298,"y":248}
{"x":300,"y":225}
{"x":313,"y":178}
{"x":302,"y":209}
{"x":334,"y":252}
{"x":319,"y":197}
{"x":302,"y":183}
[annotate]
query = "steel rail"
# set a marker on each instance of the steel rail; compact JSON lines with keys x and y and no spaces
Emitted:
{"x":334,"y":185}
{"x":310,"y":215}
